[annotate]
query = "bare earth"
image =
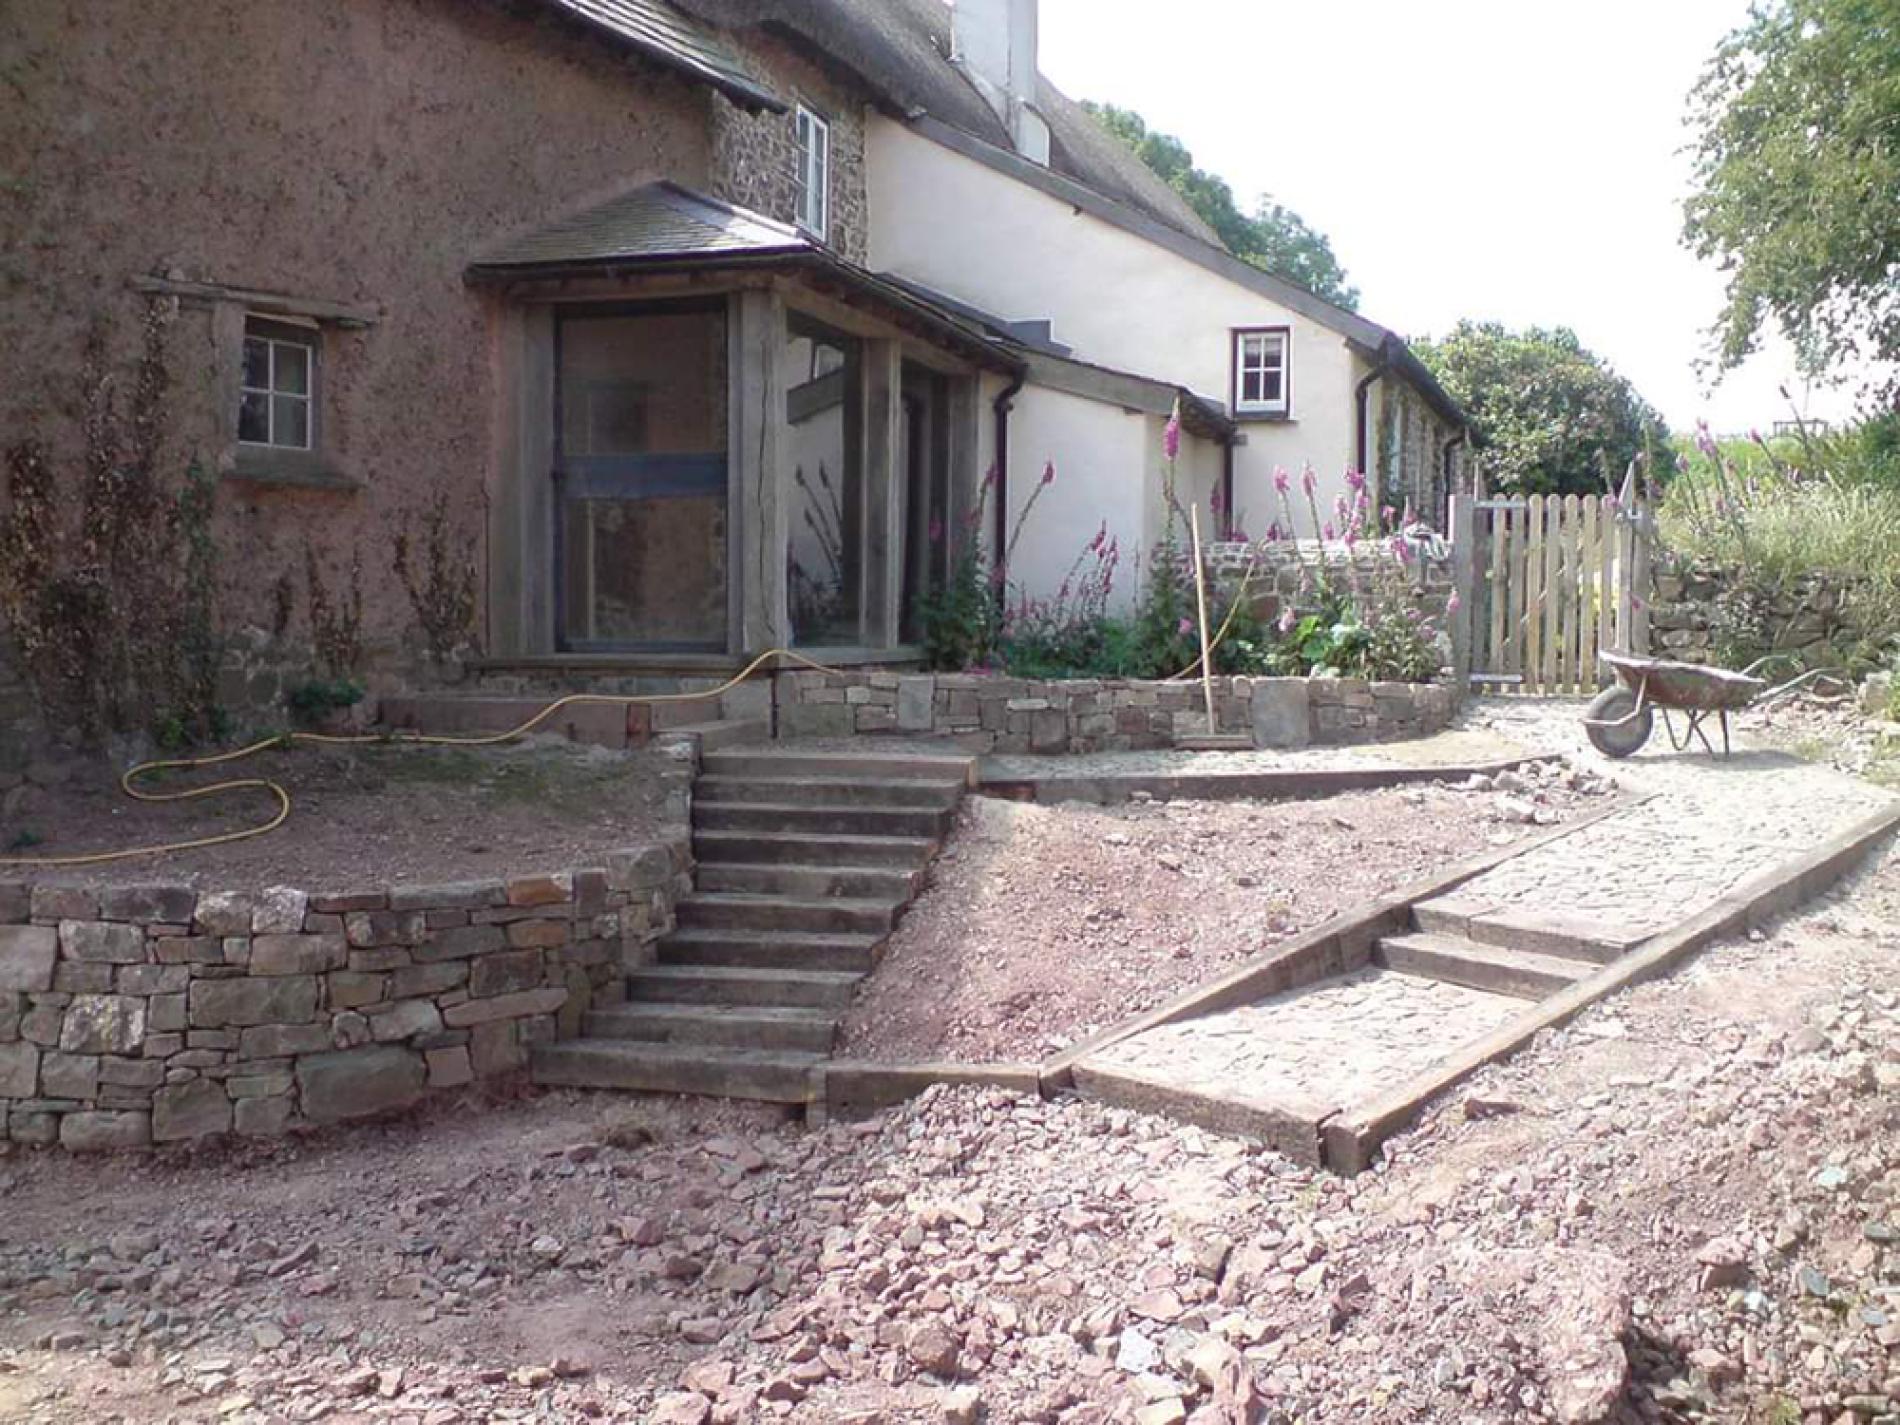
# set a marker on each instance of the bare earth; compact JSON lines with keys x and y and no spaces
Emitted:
{"x":1683,"y":1207}
{"x":1044,"y":924}
{"x":360,"y":817}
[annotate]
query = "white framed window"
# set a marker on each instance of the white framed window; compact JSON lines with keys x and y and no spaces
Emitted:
{"x":1262,"y":375}
{"x":814,"y":172}
{"x":277,"y":391}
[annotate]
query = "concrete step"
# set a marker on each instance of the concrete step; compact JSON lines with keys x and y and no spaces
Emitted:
{"x":771,"y":950}
{"x":734,"y":911}
{"x":466,"y":714}
{"x":824,"y":820}
{"x":797,"y":848}
{"x":811,"y":882}
{"x":1523,"y":974}
{"x":876,"y":766}
{"x":800,"y":1031}
{"x":771,"y":1076}
{"x":725,"y":732}
{"x":721,"y":984}
{"x":830,"y":791}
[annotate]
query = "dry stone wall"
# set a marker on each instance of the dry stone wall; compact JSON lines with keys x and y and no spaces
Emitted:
{"x":158,"y":1014}
{"x":1704,"y":614}
{"x":1013,"y":715}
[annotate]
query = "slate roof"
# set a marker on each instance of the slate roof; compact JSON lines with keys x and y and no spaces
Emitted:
{"x":662,"y":33}
{"x":653,"y":223}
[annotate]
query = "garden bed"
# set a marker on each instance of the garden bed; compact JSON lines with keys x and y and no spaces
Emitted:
{"x":1044,"y":924}
{"x":371,"y":813}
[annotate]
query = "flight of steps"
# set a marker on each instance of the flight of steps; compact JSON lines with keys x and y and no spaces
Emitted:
{"x":1440,"y":946}
{"x":805,"y":860}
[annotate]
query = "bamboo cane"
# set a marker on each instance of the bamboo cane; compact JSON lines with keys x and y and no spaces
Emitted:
{"x":1200,"y":597}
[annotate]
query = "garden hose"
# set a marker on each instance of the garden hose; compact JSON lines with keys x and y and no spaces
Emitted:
{"x":129,"y":779}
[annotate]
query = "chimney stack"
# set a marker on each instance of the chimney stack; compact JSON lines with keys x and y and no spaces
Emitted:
{"x":994,"y":43}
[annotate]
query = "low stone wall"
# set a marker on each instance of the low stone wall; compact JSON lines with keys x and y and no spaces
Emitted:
{"x":1698,"y":609}
{"x":1008,"y":715}
{"x":1283,"y":573}
{"x":155,"y":1014}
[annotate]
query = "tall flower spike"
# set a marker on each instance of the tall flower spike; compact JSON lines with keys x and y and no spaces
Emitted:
{"x":1308,"y":480}
{"x":1049,"y":473}
{"x":1355,"y":480}
{"x":1280,"y":480}
{"x":1171,"y":433}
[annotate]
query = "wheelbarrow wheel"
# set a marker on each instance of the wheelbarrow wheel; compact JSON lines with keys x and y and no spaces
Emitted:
{"x":1612,"y":706}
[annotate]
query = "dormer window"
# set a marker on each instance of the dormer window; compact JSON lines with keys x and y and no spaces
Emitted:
{"x":813,"y":208}
{"x":1262,"y":384}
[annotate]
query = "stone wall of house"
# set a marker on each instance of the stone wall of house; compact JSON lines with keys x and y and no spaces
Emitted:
{"x":755,"y":156}
{"x":159,"y":1014}
{"x":1013,"y":715}
{"x":1698,"y":614}
{"x":188,"y":142}
{"x":1284,"y":573}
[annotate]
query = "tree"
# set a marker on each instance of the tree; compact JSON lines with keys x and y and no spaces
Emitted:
{"x":1797,"y":180}
{"x":1275,"y":239}
{"x":1547,"y":416}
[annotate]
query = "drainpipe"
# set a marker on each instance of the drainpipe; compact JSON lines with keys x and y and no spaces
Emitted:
{"x":1451,"y":447}
{"x":1227,"y":488}
{"x":1001,"y":517}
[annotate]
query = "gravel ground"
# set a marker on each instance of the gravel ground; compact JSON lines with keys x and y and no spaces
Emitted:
{"x":359,"y":816}
{"x":1685,"y":1206}
{"x":1044,"y":924}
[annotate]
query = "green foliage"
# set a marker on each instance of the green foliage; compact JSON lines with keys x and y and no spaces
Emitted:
{"x":959,"y":621}
{"x":108,"y":575}
{"x":1773,"y":512}
{"x":1549,"y":416}
{"x":1275,"y":238}
{"x":1797,"y":180}
{"x":312,"y":702}
{"x":440,"y":574}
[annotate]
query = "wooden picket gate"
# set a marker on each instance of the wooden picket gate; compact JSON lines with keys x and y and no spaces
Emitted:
{"x":1555,"y":581}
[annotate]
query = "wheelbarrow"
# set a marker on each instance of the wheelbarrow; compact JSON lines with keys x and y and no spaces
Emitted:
{"x":1620,"y":719}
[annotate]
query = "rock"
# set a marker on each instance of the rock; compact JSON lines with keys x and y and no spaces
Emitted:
{"x":961,"y":1406}
{"x":19,"y":1070}
{"x":1136,"y":1353}
{"x":97,"y":1130}
{"x":935,"y":1348}
{"x":103,"y":1024}
{"x":265,"y":1000}
{"x":357,"y":1083}
{"x":681,"y":1407}
{"x":1162,"y":1412}
{"x":27,"y":953}
{"x":1724,"y":1263}
{"x":190,"y":1110}
{"x":1213,"y":1362}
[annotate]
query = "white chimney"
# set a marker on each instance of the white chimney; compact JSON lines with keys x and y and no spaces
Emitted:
{"x":994,"y":43}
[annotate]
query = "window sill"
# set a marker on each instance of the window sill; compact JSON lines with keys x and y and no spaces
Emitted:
{"x":1263,"y":418}
{"x":304,"y":472}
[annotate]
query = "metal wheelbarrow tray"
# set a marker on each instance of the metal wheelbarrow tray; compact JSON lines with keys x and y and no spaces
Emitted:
{"x":1621,"y":718}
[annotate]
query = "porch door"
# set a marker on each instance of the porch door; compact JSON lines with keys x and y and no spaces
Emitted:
{"x":641,"y":549}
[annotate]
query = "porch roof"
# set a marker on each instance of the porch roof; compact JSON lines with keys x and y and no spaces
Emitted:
{"x":665,"y":227}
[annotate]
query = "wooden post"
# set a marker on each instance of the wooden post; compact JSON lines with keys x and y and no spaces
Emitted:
{"x":1462,"y":525}
{"x":1200,"y":596}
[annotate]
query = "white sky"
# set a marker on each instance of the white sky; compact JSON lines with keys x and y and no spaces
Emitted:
{"x":1514,"y":160}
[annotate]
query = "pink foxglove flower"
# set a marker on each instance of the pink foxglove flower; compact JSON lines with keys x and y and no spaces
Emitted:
{"x":1308,"y":480}
{"x":1185,"y":627}
{"x":1280,"y":481}
{"x":1326,"y":533}
{"x":1287,"y":619}
{"x":1355,"y":480}
{"x":1273,"y":533}
{"x":1171,"y":433}
{"x":1454,"y":603}
{"x":1049,"y":473}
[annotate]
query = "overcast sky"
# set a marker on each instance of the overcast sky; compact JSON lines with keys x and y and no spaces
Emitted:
{"x":1514,"y":160}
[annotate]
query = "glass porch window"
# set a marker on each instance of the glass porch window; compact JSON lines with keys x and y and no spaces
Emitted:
{"x":641,"y":536}
{"x":824,"y":439}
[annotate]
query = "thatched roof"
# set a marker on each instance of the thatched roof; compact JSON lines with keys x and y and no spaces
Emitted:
{"x":900,"y":51}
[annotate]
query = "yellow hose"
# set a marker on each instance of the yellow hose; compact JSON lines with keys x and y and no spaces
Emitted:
{"x":128,"y":781}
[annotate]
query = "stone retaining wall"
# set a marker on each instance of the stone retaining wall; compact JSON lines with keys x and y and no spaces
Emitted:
{"x":1699,"y":615}
{"x":1282,"y":573}
{"x":1012,"y":715}
{"x":154,"y":1014}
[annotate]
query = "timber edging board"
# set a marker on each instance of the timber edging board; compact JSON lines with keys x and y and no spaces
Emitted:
{"x":1290,"y":783}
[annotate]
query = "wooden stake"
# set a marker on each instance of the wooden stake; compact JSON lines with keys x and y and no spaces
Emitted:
{"x":1200,"y":596}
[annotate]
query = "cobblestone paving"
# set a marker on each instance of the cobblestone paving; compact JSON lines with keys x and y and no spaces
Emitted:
{"x":1711,"y":825}
{"x":1332,"y":1045}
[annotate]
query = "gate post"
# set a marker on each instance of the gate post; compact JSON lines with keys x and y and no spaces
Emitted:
{"x":1461,"y":525}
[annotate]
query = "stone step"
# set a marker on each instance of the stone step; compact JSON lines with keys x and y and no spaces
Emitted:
{"x":876,"y":766}
{"x":830,"y":791}
{"x":770,"y":950}
{"x":1214,"y":742}
{"x":801,"y":1031}
{"x":725,"y":732}
{"x":1523,"y":974}
{"x":468,"y":714}
{"x":728,"y":910}
{"x":810,"y":882}
{"x":1547,"y":932}
{"x":825,"y":820}
{"x":721,"y":984}
{"x":783,"y":848}
{"x":773,"y":1077}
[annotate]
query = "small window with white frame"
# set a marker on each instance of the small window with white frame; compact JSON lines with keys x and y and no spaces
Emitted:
{"x":1262,"y":385}
{"x":814,"y":172}
{"x":277,"y":404}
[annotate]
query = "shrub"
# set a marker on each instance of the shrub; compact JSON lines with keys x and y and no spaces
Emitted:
{"x":441,"y":576}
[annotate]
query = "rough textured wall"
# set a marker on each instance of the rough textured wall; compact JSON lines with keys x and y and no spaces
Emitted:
{"x":142,"y":1014}
{"x":755,"y":157}
{"x":1702,"y":613}
{"x":359,"y":151}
